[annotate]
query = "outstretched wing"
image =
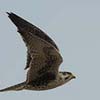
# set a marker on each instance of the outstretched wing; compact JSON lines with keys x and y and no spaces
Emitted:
{"x":44,"y":57}
{"x":25,"y":25}
{"x":28,"y":27}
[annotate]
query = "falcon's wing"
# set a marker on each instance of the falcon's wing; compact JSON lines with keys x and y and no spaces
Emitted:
{"x":28,"y":27}
{"x":44,"y":58}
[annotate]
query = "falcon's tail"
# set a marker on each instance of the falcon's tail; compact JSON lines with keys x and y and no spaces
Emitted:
{"x":17,"y":87}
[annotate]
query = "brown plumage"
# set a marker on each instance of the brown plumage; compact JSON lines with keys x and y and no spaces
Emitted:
{"x":43,"y":58}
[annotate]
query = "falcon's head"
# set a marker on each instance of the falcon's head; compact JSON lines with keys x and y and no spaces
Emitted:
{"x":64,"y":77}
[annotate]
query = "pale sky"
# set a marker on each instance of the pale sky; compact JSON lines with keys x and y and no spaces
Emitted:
{"x":75,"y":27}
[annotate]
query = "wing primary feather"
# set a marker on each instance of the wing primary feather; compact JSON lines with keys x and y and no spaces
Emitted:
{"x":22,"y":24}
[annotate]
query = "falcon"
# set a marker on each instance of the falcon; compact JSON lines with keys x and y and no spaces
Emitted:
{"x":43,"y":59}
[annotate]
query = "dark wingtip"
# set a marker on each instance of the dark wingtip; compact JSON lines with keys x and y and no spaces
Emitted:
{"x":8,"y":13}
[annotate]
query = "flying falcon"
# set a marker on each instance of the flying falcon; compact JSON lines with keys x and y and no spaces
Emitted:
{"x":43,"y":59}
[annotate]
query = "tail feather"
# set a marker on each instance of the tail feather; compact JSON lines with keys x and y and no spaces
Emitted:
{"x":17,"y":87}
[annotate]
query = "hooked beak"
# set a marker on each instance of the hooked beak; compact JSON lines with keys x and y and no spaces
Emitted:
{"x":73,"y":76}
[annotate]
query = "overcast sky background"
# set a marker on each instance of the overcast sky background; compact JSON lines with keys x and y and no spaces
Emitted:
{"x":75,"y":27}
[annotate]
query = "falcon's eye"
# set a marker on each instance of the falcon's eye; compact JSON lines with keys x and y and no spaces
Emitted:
{"x":69,"y":73}
{"x":64,"y":73}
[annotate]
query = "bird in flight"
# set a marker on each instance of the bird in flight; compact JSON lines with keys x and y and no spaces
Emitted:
{"x":43,"y":59}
